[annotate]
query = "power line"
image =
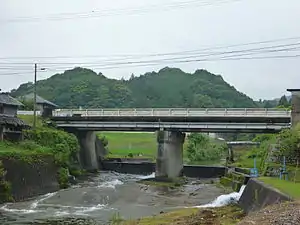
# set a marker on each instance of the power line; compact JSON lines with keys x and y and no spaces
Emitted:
{"x":122,"y":56}
{"x":116,"y":12}
{"x":250,"y":51}
{"x":181,"y":61}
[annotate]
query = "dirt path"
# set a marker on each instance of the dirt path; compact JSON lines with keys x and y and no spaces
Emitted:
{"x":279,"y":214}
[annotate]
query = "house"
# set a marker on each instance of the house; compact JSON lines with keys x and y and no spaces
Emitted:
{"x":10,"y":125}
{"x":44,"y":106}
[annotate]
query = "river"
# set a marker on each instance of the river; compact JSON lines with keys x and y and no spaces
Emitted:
{"x":97,"y":199}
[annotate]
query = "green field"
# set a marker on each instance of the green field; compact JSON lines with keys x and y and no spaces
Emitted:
{"x":140,"y":145}
{"x":121,"y":144}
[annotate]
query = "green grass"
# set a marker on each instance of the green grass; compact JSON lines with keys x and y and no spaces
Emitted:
{"x":287,"y":187}
{"x":27,"y":151}
{"x":121,"y":144}
{"x":29,"y":120}
{"x":228,"y":215}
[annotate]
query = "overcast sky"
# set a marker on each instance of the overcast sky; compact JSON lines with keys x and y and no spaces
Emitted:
{"x":122,"y":29}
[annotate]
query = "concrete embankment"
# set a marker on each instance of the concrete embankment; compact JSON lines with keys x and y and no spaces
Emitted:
{"x":258,"y":195}
{"x":149,"y":167}
{"x":29,"y":179}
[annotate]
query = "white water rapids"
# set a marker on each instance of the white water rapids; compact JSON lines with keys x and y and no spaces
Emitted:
{"x":102,"y":196}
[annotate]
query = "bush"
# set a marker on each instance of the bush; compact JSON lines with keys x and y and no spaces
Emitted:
{"x":200,"y":148}
{"x":64,"y":146}
{"x":63,"y":177}
{"x":289,"y":143}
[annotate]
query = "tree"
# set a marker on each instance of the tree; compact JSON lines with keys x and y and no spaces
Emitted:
{"x":200,"y":148}
{"x":28,"y":104}
{"x":283,"y":102}
{"x":289,"y":143}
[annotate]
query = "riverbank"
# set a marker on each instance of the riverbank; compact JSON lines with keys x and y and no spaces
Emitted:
{"x":39,"y":164}
{"x":226,"y":215}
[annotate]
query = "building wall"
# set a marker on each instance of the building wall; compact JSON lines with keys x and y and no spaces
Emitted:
{"x":10,"y":110}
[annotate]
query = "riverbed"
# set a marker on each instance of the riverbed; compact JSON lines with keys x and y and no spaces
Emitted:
{"x":100,"y":197}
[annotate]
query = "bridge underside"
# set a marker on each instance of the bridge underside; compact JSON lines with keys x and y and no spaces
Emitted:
{"x":183,"y":119}
{"x":182,"y":127}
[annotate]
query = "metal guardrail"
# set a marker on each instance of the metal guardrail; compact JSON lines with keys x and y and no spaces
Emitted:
{"x":174,"y":112}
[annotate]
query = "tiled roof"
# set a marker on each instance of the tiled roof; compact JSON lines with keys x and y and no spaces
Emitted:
{"x":6,"y":99}
{"x":39,"y":99}
{"x":14,"y":121}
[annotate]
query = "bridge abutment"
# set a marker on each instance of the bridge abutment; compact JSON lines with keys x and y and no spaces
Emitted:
{"x":169,"y":162}
{"x":295,"y":116}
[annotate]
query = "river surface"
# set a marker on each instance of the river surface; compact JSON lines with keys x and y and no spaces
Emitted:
{"x":97,"y":199}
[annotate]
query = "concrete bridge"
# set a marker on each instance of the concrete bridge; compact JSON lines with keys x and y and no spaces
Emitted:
{"x":184,"y":120}
{"x":170,"y":124}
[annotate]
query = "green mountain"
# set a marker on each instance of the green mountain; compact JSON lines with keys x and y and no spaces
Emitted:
{"x":170,"y":87}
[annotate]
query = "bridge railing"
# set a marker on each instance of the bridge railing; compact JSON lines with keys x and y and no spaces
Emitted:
{"x":176,"y":112}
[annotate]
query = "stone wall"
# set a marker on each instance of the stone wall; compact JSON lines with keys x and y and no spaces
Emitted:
{"x":258,"y":195}
{"x":30,"y":179}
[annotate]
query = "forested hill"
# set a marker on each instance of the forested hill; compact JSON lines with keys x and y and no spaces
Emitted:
{"x":170,"y":87}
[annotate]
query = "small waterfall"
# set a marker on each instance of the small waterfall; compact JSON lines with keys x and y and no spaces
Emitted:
{"x":223,"y":200}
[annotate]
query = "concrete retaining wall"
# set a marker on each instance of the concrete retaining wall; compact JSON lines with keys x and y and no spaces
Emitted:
{"x":258,"y":195}
{"x":29,"y":180}
{"x":203,"y":171}
{"x":148,"y":168}
{"x":141,"y":168}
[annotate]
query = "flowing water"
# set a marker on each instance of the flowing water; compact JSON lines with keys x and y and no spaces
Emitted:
{"x":96,"y":200}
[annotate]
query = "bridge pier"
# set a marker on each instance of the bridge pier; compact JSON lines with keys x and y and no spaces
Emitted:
{"x":169,"y":162}
{"x":295,"y":116}
{"x":88,"y":154}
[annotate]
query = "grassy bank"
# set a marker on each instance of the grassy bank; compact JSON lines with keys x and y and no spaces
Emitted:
{"x":42,"y":142}
{"x":287,"y":187}
{"x":27,"y":151}
{"x":228,"y":215}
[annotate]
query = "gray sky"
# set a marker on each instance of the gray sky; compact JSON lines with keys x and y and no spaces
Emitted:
{"x":221,"y":23}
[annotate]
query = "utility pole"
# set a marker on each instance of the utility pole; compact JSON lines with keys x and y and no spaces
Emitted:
{"x":34,"y":100}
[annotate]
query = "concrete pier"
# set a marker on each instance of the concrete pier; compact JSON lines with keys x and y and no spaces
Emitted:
{"x":88,"y":157}
{"x":295,"y":119}
{"x":169,"y":162}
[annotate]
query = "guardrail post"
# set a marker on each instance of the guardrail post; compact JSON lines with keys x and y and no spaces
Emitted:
{"x":86,"y":112}
{"x":266,"y":111}
{"x":170,"y":112}
{"x":206,"y":111}
{"x":187,"y":112}
{"x":152,"y":112}
{"x":118,"y":112}
{"x":102,"y":112}
{"x":135,"y":113}
{"x":245,"y":112}
{"x":225,"y":112}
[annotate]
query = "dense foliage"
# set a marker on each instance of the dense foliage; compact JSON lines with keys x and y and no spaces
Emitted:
{"x":289,"y":143}
{"x":64,"y":146}
{"x":169,"y":87}
{"x":201,"y":148}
